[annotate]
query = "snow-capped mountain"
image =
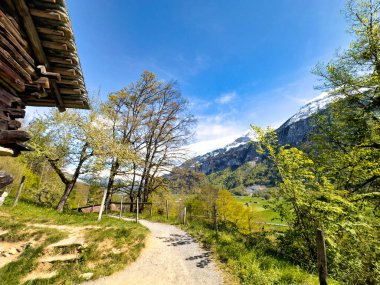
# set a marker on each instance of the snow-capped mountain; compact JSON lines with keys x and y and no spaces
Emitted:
{"x":240,"y":151}
{"x":313,"y":106}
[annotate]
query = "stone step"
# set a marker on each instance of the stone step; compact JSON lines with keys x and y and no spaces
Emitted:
{"x":39,"y":275}
{"x":60,"y":258}
{"x":71,"y":241}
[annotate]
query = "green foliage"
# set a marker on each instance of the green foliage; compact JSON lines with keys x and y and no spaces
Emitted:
{"x":251,"y":258}
{"x":184,"y":181}
{"x":307,"y":200}
{"x":248,"y":174}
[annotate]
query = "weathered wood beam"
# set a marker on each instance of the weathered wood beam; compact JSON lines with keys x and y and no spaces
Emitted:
{"x":8,"y":99}
{"x":9,"y":26}
{"x":42,"y":70}
{"x":70,"y":91}
{"x":54,"y":85}
{"x":45,"y":14}
{"x":14,"y":125}
{"x":11,"y":77}
{"x":8,"y":40}
{"x":36,"y":45}
{"x":52,"y":32}
{"x":10,"y":59}
{"x":10,"y":137}
{"x":20,"y":55}
{"x":5,"y":179}
{"x":43,"y":81}
{"x":34,"y":87}
{"x":14,"y":113}
{"x":64,"y":71}
{"x":60,"y":60}
{"x":68,"y":82}
{"x":54,"y":45}
{"x":9,"y":87}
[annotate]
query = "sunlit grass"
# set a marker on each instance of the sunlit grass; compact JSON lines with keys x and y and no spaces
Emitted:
{"x":125,"y":240}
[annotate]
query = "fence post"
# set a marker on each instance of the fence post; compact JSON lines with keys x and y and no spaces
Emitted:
{"x":321,"y":257}
{"x":121,"y":206}
{"x":215,"y":219}
{"x":102,"y":205}
{"x":19,"y":191}
{"x":167,"y":212}
{"x":137,"y":209}
{"x":184,"y":216}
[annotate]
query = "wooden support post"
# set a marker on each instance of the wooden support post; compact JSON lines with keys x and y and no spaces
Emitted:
{"x":137,"y":209}
{"x":19,"y":191}
{"x":321,"y":257}
{"x":167,"y":212}
{"x":102,"y":204}
{"x":5,"y":179}
{"x":121,"y":206}
{"x":215,"y":220}
{"x":184,"y":216}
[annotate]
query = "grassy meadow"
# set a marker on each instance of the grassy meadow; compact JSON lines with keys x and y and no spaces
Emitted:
{"x":109,"y":245}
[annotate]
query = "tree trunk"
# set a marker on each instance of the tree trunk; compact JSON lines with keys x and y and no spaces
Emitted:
{"x":62,"y":202}
{"x":111,"y":180}
{"x":69,"y":184}
{"x":131,"y":205}
{"x":131,"y":197}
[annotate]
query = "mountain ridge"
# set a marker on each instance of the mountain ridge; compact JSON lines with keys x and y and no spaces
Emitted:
{"x":292,"y":132}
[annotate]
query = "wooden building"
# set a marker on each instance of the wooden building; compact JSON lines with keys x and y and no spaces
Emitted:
{"x":39,"y":65}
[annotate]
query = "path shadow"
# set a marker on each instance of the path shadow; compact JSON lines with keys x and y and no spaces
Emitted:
{"x":176,"y":239}
{"x":203,"y":259}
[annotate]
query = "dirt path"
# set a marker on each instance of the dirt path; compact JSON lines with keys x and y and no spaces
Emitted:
{"x":171,"y":256}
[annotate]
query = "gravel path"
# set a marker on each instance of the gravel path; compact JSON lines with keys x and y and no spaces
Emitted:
{"x":170,"y":256}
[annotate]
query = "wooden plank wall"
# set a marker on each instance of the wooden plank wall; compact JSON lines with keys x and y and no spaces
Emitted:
{"x":18,"y":77}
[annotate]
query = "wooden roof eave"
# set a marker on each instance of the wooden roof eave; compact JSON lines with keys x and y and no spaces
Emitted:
{"x":36,"y":45}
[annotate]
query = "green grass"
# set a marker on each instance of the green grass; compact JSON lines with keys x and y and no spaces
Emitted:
{"x":252,"y":259}
{"x":125,"y":241}
{"x":261,"y":208}
{"x":246,"y":259}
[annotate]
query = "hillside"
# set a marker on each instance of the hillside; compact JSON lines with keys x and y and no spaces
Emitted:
{"x":38,"y":245}
{"x":293,"y":132}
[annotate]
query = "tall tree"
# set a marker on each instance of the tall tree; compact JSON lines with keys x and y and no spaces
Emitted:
{"x":150,"y":119}
{"x":126,"y":112}
{"x":350,"y":128}
{"x":166,"y":130}
{"x":66,"y":141}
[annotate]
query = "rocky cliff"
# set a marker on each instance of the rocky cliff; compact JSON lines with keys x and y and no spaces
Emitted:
{"x":293,"y":132}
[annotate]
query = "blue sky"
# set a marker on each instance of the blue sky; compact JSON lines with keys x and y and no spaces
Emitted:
{"x":237,"y":62}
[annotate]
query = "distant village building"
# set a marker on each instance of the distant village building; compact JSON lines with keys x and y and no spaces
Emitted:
{"x":39,"y":66}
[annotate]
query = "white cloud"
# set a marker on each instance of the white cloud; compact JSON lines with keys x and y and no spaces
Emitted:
{"x":214,"y":132}
{"x":205,"y":146}
{"x":226,"y":97}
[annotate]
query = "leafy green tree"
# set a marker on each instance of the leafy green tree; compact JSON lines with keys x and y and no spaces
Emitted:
{"x":67,"y":141}
{"x":150,"y":118}
{"x":347,"y":135}
{"x":308,"y":199}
